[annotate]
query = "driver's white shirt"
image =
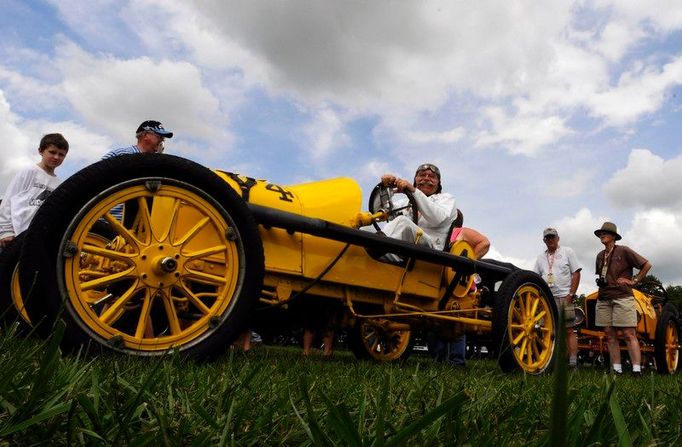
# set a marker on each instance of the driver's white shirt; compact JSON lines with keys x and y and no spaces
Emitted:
{"x":436,"y":213}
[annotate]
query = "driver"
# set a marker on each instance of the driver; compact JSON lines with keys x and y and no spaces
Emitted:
{"x":437,"y":210}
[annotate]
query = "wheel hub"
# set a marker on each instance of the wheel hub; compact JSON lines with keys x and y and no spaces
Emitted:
{"x":158,"y":265}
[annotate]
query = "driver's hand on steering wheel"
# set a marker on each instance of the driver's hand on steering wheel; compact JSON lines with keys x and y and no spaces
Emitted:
{"x":403,"y":185}
{"x":388,"y":179}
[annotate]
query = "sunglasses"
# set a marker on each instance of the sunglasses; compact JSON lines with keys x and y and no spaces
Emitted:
{"x":549,"y":237}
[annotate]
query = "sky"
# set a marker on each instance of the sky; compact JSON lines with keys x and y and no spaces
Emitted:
{"x":554,"y":113}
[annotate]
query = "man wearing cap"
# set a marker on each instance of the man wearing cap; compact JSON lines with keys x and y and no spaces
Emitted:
{"x":150,"y":135}
{"x":437,"y":209}
{"x":560,"y":268}
{"x":616,"y":304}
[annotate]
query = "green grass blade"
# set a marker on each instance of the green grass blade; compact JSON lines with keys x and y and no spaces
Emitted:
{"x":341,"y":422}
{"x":624,"y":439}
{"x":559,"y":413}
{"x":40,"y":417}
{"x":451,"y":405}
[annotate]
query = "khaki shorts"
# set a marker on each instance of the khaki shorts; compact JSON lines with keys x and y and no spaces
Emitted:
{"x":569,"y":311}
{"x":619,"y":312}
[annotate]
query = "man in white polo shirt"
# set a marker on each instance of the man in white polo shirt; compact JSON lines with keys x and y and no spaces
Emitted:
{"x":560,"y":268}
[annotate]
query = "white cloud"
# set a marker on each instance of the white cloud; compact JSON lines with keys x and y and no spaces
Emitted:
{"x":448,"y":136}
{"x":656,"y":234}
{"x":116,"y":95}
{"x":570,"y":185}
{"x":525,"y":135}
{"x":647,"y":181}
{"x":16,"y":148}
{"x":381,"y":55}
{"x":639,"y":92}
{"x":324,"y":134}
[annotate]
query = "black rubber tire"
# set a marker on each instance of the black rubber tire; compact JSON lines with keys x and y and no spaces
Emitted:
{"x":361,"y":351}
{"x":669,"y":316}
{"x":501,"y":310}
{"x":41,"y":254}
{"x":9,"y":261}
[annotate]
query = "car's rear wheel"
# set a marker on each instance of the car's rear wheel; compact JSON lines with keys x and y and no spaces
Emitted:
{"x":667,"y":343}
{"x":378,"y":340}
{"x":11,"y":303}
{"x":182,"y":272}
{"x":525,"y":324}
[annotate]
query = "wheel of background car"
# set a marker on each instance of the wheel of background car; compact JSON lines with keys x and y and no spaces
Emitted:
{"x":11,"y":304}
{"x":381,"y":198}
{"x":184,"y":275}
{"x":667,"y":342}
{"x":370,"y":341}
{"x":525,"y":324}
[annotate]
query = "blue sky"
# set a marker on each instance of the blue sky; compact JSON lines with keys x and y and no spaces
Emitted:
{"x":539,"y":114}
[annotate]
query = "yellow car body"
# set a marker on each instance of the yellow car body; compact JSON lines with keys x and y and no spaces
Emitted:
{"x":198,"y":250}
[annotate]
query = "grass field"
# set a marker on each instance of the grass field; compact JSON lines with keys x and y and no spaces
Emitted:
{"x":273,"y":396}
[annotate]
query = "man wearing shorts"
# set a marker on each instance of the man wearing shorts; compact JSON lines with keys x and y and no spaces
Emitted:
{"x":560,"y":268}
{"x":616,"y":305}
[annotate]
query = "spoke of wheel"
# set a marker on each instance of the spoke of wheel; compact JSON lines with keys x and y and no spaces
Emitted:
{"x":529,"y":353}
{"x":518,"y":338}
{"x":519,"y":306}
{"x":161,"y":227}
{"x":205,"y":278}
{"x":173,"y":321}
{"x":108,"y":316}
{"x":522,"y":348}
{"x":122,"y":231}
{"x":536,"y":351}
{"x":535,"y":302}
{"x":539,"y":316}
{"x":106,"y":280}
{"x":144,"y":314}
{"x":195,"y":299}
{"x":516,"y":314}
{"x":145,"y":218}
{"x":205,"y":252}
{"x":192,"y":232}
{"x":107,"y":253}
{"x":162,"y":230}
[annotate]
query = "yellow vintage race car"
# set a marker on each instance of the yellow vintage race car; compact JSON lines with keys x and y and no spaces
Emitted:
{"x":658,"y":330}
{"x":199,"y":254}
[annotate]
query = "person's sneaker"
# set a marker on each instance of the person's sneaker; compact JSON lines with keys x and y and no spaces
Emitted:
{"x":637,"y":374}
{"x":616,"y":373}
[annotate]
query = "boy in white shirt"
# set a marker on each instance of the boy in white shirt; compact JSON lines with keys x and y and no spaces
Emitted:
{"x":30,"y":187}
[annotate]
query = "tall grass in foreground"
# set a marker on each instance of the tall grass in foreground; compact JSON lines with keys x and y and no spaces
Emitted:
{"x":273,"y":396}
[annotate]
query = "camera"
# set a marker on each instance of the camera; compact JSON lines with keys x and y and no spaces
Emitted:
{"x":602,"y":282}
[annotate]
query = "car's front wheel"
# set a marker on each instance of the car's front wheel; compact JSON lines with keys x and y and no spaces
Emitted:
{"x":181,"y":270}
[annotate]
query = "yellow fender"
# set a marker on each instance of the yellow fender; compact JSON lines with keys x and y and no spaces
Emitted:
{"x":460,"y":248}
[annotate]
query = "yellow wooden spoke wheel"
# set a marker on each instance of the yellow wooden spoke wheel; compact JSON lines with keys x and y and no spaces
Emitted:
{"x":179,"y":270}
{"x":667,"y":342}
{"x":525,"y":324}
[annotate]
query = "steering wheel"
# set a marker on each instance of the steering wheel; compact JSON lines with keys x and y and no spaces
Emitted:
{"x":384,"y":198}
